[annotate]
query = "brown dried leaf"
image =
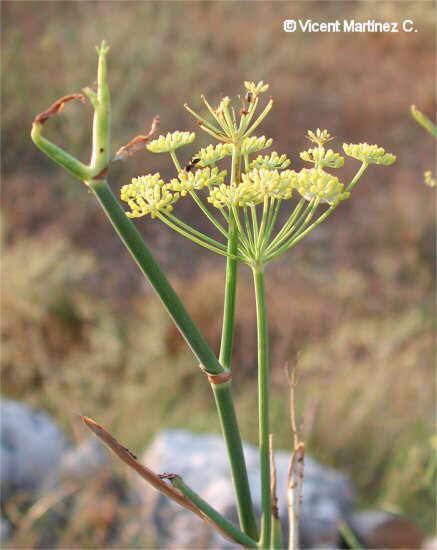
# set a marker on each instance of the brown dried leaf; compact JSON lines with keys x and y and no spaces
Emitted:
{"x":57,"y":106}
{"x":137,"y":143}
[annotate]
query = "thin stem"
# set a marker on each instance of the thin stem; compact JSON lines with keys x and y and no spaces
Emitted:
{"x":234,"y":446}
{"x":357,"y":176}
{"x":272,"y":222}
{"x":263,"y":224}
{"x":261,"y":117}
{"x":176,"y":162}
{"x":211,"y":513}
{"x":202,"y":119}
{"x":254,"y":223}
{"x":190,"y":236}
{"x":263,"y":405}
{"x":249,"y":232}
{"x":242,"y":237}
{"x":226,"y":345}
{"x":304,"y":233}
{"x":208,"y":214}
{"x":287,"y":225}
{"x":195,"y":232}
{"x":296,"y":229}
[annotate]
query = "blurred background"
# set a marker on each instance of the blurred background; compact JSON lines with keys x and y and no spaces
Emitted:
{"x":83,"y":332}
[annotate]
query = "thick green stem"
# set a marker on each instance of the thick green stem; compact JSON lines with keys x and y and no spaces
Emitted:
{"x":263,"y":405}
{"x":150,"y":268}
{"x":227,"y":415}
{"x":102,"y":117}
{"x":212,"y":514}
{"x":222,"y":393}
{"x":69,"y":163}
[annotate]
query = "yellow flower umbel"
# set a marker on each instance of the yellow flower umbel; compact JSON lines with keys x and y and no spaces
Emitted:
{"x":148,"y":195}
{"x":369,"y":154}
{"x":244,"y":202}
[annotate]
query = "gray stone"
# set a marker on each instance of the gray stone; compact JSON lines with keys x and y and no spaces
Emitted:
{"x":85,"y":460}
{"x":31,"y":448}
{"x":201,"y":461}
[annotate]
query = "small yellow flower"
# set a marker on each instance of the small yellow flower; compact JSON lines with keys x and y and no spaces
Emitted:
{"x":429,"y":180}
{"x":270,"y":183}
{"x":254,"y":144}
{"x":271,"y":162}
{"x":316,"y":183}
{"x":148,"y":195}
{"x":171,"y":142}
{"x":256,"y":89}
{"x":193,"y":181}
{"x":234,"y":195}
{"x":321,"y":157}
{"x":210,"y":155}
{"x":369,"y":154}
{"x":319,"y":136}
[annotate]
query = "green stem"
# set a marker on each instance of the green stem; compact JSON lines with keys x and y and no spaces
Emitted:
{"x":222,"y":392}
{"x":263,"y":225}
{"x":150,"y":268}
{"x":303,"y":234}
{"x":233,"y":441}
{"x":289,"y":224}
{"x":195,"y":232}
{"x":70,"y":164}
{"x":176,"y":162}
{"x":296,"y":229}
{"x":102,"y":116}
{"x":272,"y":222}
{"x":263,"y":405}
{"x":208,"y":214}
{"x":191,"y":236}
{"x":276,"y":539}
{"x":226,"y":345}
{"x":234,"y":447}
{"x":211,"y":513}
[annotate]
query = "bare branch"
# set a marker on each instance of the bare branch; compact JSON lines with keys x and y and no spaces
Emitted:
{"x":296,"y":467}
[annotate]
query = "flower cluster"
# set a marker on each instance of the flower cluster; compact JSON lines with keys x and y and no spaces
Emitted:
{"x":148,"y":195}
{"x":271,"y":162}
{"x":319,"y":136}
{"x":369,"y":154}
{"x":256,"y":89}
{"x":321,"y":157}
{"x":315,"y":183}
{"x":270,"y":183}
{"x":209,"y":156}
{"x":233,"y":195}
{"x":171,"y":142}
{"x":254,"y":144}
{"x":194,"y":181}
{"x":250,"y":195}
